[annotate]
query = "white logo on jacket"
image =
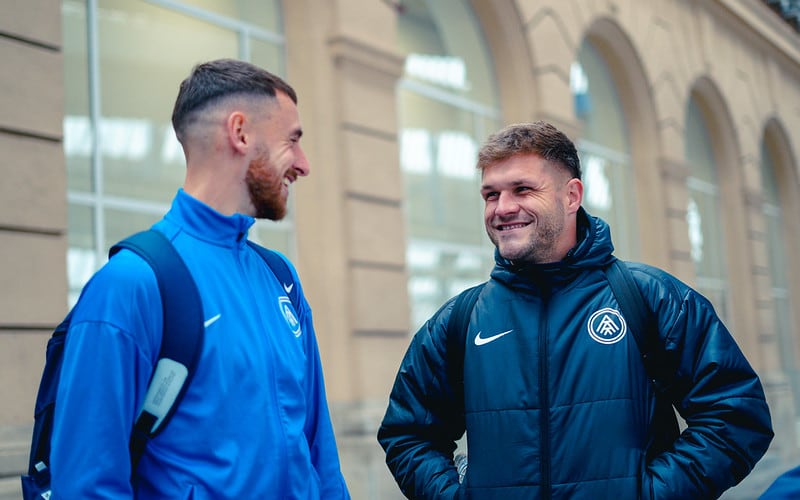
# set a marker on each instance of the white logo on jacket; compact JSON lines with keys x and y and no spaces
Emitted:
{"x":607,"y":326}
{"x":285,"y":304}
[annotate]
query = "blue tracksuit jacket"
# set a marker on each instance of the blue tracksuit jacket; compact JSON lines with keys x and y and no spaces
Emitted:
{"x":254,"y":421}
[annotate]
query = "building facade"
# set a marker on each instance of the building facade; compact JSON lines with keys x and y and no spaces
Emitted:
{"x":686,"y":114}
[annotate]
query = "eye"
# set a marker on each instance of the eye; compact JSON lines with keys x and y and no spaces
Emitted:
{"x":490,"y":195}
{"x":522,"y":189}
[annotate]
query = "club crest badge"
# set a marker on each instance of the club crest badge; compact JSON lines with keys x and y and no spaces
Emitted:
{"x":285,"y":304}
{"x":607,"y":326}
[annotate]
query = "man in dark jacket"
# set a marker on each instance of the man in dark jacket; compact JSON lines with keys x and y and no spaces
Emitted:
{"x":556,"y":402}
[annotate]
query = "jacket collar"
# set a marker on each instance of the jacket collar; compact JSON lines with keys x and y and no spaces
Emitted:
{"x":593,"y":251}
{"x":203,"y":222}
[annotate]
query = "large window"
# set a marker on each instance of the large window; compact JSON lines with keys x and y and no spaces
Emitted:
{"x":703,"y":214}
{"x":447,"y":104}
{"x":604,"y":150}
{"x":123,"y":61}
{"x":778,"y":265}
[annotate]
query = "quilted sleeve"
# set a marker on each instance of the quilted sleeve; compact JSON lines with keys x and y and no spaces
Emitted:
{"x":424,"y":418}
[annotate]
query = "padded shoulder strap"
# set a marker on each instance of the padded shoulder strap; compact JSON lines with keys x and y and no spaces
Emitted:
{"x":182,"y":339}
{"x":462,"y":309}
{"x":641,"y":321}
{"x":457,"y":326}
{"x":281,"y":270}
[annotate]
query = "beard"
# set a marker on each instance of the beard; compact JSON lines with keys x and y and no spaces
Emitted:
{"x":265,"y":186}
{"x":541,"y":243}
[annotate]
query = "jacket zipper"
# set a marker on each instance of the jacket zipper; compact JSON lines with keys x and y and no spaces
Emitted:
{"x":544,"y":419}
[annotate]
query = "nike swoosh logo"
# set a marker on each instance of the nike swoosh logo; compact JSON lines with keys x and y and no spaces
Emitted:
{"x":485,"y":340}
{"x":211,"y":321}
{"x":288,"y":287}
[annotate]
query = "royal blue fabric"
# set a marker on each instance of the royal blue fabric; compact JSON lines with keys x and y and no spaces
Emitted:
{"x":254,"y":422}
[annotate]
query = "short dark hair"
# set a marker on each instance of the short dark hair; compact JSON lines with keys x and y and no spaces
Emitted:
{"x":213,"y":80}
{"x":539,"y":138}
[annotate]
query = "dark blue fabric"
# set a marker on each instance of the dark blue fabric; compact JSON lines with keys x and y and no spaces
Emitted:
{"x":553,"y":409}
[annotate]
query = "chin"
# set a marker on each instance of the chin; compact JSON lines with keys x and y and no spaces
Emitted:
{"x":510,"y":254}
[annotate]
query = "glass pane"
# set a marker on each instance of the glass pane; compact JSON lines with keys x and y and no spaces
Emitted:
{"x":139,"y":82}
{"x":438,"y":154}
{"x":705,"y":235}
{"x":122,"y":223}
{"x":775,"y":249}
{"x":77,"y":127}
{"x":264,"y":14}
{"x":776,"y":244}
{"x":277,"y":236}
{"x":267,"y":55}
{"x":440,"y":271}
{"x":608,"y":194}
{"x":447,"y":109}
{"x":445,"y":48}
{"x":597,"y":102}
{"x":81,"y":255}
{"x":768,"y":180}
{"x":608,"y":176}
{"x":698,"y":151}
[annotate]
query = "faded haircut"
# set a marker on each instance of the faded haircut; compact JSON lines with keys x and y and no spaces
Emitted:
{"x":539,"y":138}
{"x":212,"y":81}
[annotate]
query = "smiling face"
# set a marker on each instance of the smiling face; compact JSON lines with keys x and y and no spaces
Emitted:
{"x":277,"y":159}
{"x":530,"y":208}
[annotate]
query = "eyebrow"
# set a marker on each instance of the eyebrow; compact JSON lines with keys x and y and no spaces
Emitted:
{"x":484,"y":187}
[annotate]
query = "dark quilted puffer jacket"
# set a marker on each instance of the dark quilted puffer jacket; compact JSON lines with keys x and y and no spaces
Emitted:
{"x":556,"y":400}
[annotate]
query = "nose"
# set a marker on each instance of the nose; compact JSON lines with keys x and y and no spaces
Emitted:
{"x":301,"y":165}
{"x":506,"y":205}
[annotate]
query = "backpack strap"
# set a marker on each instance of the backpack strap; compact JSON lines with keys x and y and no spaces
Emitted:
{"x":281,"y":270}
{"x":457,"y":326}
{"x":641,"y":321}
{"x":182,"y":338}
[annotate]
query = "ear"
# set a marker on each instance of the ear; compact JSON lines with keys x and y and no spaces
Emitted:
{"x":237,"y":137}
{"x":574,"y":190}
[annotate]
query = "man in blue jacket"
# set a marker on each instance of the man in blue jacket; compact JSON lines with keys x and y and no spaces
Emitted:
{"x":254,"y":421}
{"x":556,"y":402}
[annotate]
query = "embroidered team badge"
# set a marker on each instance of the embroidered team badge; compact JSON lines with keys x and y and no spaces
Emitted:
{"x":607,"y":326}
{"x":285,"y":303}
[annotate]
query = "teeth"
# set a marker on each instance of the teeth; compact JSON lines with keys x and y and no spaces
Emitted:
{"x":286,"y":181}
{"x":511,"y":226}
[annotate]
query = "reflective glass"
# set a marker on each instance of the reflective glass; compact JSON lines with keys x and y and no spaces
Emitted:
{"x":703,"y":212}
{"x":143,"y":51}
{"x":81,"y":255}
{"x":778,"y":264}
{"x":447,"y":108}
{"x":445,"y":48}
{"x":77,"y":127}
{"x":267,"y":55}
{"x":118,"y":223}
{"x":604,"y":150}
{"x":263,"y":14}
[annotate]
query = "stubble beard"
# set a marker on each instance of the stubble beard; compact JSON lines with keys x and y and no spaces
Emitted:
{"x":265,"y":186}
{"x":541,"y":245}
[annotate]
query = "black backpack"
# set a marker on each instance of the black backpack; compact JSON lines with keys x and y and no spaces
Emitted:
{"x":181,"y":345}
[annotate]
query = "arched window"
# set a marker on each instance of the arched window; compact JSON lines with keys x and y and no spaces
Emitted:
{"x":604,"y":150}
{"x":703,"y":215}
{"x":447,"y":106}
{"x":778,"y":265}
{"x":123,"y":61}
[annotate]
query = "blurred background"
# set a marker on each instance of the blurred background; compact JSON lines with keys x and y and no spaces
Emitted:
{"x":686,"y":114}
